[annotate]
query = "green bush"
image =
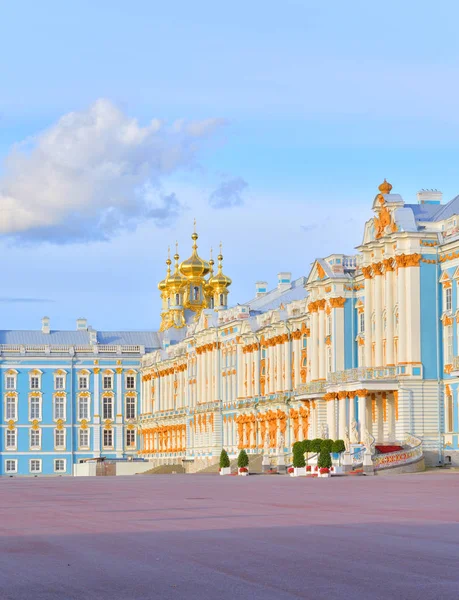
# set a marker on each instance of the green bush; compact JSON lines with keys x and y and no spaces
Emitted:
{"x":324,"y":459}
{"x":298,"y":456}
{"x":296,"y":445}
{"x":242,"y":459}
{"x":338,"y":446}
{"x":307,"y":445}
{"x":224,"y":459}
{"x":316,"y":445}
{"x":327,"y":444}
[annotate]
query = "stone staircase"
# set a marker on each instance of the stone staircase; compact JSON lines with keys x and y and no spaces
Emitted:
{"x":165,"y":470}
{"x":255,"y":461}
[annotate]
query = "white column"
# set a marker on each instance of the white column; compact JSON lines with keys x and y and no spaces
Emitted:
{"x":279,"y":382}
{"x":363,"y":416}
{"x":367,"y":318}
{"x":331,"y":421}
{"x":401,"y":297}
{"x":342,"y":424}
{"x":119,"y":395}
{"x":256,"y":358}
{"x":389,"y":302}
{"x":338,"y":334}
{"x":288,"y":364}
{"x":378,"y":316}
{"x":239,"y":372}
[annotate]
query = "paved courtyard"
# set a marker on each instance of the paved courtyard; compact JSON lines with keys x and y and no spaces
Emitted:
{"x":211,"y":537}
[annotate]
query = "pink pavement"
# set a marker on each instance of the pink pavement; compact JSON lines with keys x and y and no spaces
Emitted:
{"x":217,"y":538}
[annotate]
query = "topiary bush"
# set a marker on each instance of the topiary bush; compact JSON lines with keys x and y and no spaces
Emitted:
{"x":316,"y":445}
{"x":338,"y":446}
{"x":224,"y":459}
{"x":298,"y":456}
{"x":307,"y":446}
{"x":296,"y":445}
{"x":328,"y":444}
{"x":242,"y":459}
{"x":325,"y":460}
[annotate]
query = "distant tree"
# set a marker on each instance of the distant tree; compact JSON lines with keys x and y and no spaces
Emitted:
{"x":224,"y":459}
{"x":242,"y":459}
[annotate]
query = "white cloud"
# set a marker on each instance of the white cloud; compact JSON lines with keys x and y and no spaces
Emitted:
{"x":94,"y":173}
{"x":228,"y":193}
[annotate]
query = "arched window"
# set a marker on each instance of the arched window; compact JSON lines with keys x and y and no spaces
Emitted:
{"x":195,"y":293}
{"x":221,"y":300}
{"x":212,"y":304}
{"x":177,"y":299}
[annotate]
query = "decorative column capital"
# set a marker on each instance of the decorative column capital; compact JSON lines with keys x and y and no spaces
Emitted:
{"x":361,"y":393}
{"x":367,"y":273}
{"x":337,"y":302}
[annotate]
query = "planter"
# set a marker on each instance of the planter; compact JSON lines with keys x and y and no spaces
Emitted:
{"x":243,"y":471}
{"x":225,"y":471}
{"x":323,"y":474}
{"x":337,"y":470}
{"x":298,"y":472}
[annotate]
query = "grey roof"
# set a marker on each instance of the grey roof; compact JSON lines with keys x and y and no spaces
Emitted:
{"x":435,"y":212}
{"x":446,"y":211}
{"x":274,"y":298}
{"x":405,"y":219}
{"x":79,"y":338}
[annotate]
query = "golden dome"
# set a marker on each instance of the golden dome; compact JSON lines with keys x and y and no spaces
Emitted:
{"x":220,"y":280}
{"x":162,"y":285}
{"x":194,"y":267}
{"x":385,"y":187}
{"x":176,"y":281}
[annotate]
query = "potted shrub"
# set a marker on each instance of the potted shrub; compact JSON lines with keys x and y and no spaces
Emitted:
{"x":324,"y":463}
{"x":315,"y":446}
{"x":299,"y":465}
{"x":242,"y":463}
{"x":225,"y":465}
{"x":338,"y":448}
{"x":327,"y":444}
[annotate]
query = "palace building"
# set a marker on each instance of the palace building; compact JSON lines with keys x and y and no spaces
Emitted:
{"x":364,"y":343}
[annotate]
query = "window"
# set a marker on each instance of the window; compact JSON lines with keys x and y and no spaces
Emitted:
{"x":83,"y":440}
{"x":177,"y":299}
{"x":195,"y":293}
{"x":130,"y":382}
{"x":108,"y":408}
{"x":59,"y":408}
{"x":108,"y":438}
{"x":10,"y":441}
{"x":59,"y":383}
{"x":59,"y":439}
{"x":11,"y":466}
{"x":35,"y":465}
{"x":11,"y":409}
{"x":35,"y":408}
{"x":59,"y":465}
{"x":107,"y":382}
{"x":305,"y":341}
{"x":83,"y":408}
{"x":34,"y":383}
{"x":362,"y":322}
{"x":222,"y":303}
{"x":448,"y":299}
{"x":10,"y":382}
{"x":130,"y":408}
{"x":329,"y":360}
{"x":35,"y":439}
{"x":449,"y":344}
{"x":82,"y":382}
{"x":130,"y":438}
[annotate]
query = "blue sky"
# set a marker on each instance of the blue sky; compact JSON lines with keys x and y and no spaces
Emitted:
{"x":120,"y":122}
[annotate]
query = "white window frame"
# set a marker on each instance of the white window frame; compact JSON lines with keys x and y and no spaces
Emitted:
{"x":83,"y":382}
{"x":129,"y":432}
{"x":110,"y":400}
{"x":35,"y":432}
{"x":84,"y":402}
{"x":9,"y":378}
{"x":39,"y":465}
{"x":107,"y":431}
{"x":32,"y":380}
{"x":59,"y":379}
{"x":63,"y":433}
{"x":12,"y":461}
{"x":448,"y":299}
{"x":13,"y":400}
{"x":127,"y":380}
{"x":64,"y":463}
{"x":59,"y":402}
{"x":40,"y":412}
{"x":128,"y":400}
{"x":449,"y":344}
{"x":86,"y":433}
{"x":109,"y":379}
{"x":11,"y":432}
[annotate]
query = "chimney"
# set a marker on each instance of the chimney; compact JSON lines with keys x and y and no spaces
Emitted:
{"x":82,"y":324}
{"x":45,"y":325}
{"x":261,"y":287}
{"x":429,"y":197}
{"x":284,"y":281}
{"x":92,"y":335}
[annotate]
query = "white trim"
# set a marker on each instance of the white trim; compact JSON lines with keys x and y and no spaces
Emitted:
{"x":30,"y":465}
{"x":60,"y":470}
{"x":13,"y":460}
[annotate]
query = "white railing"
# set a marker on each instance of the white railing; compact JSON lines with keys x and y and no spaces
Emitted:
{"x":400,"y":457}
{"x":51,"y":349}
{"x":362,"y":373}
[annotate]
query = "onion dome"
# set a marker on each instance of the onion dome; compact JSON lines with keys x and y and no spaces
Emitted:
{"x":220,"y":280}
{"x":194,"y":267}
{"x":162,"y":285}
{"x":385,"y":187}
{"x":176,"y":281}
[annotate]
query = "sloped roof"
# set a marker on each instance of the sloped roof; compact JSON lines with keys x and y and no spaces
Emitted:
{"x":274,"y":298}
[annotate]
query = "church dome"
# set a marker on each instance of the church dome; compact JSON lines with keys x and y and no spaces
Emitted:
{"x":220,"y":280}
{"x":385,"y":187}
{"x":176,"y":281}
{"x":162,"y":285}
{"x":194,"y":267}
